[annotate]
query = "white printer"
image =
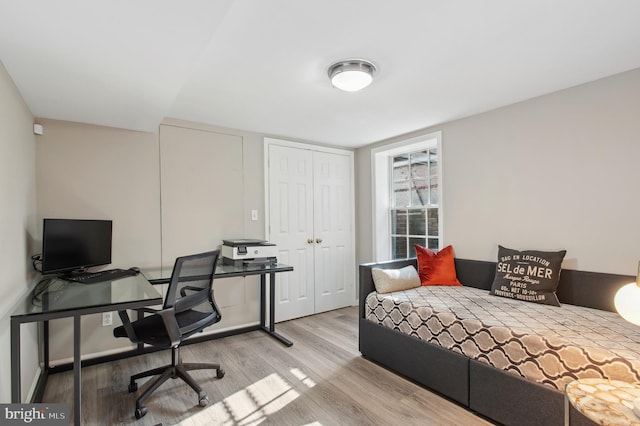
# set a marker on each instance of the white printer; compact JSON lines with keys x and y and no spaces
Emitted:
{"x":248,"y":252}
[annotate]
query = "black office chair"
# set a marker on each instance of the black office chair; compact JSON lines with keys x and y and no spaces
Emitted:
{"x":188,"y":308}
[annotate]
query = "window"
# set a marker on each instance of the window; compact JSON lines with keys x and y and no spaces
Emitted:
{"x":414,"y":202}
{"x":407,"y":198}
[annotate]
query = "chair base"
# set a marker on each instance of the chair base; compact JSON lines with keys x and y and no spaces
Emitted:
{"x":175,"y":370}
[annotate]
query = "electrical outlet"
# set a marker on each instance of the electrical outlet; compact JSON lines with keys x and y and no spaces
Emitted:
{"x":107,"y":318}
{"x":254,"y":214}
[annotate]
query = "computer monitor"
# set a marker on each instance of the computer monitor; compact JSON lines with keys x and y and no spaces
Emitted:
{"x":75,"y":244}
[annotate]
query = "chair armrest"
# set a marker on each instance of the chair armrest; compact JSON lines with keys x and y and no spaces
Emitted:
{"x":124,"y":317}
{"x":168,"y":316}
{"x":183,"y":290}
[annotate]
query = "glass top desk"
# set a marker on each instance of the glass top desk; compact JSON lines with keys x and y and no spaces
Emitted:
{"x":54,"y":298}
{"x":163,"y":276}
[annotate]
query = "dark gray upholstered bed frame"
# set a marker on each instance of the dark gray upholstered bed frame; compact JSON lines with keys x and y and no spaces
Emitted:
{"x":491,"y":392}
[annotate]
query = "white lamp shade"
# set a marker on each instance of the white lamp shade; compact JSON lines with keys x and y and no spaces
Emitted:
{"x":352,"y":81}
{"x":627,"y":302}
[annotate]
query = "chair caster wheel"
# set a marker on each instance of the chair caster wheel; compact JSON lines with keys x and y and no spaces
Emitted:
{"x":140,"y":412}
{"x":220,"y":373}
{"x":204,"y":401}
{"x":133,"y":387}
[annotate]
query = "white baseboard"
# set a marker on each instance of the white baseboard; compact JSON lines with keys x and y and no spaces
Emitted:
{"x":69,"y":360}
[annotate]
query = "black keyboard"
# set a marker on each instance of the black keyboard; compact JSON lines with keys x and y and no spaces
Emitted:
{"x":100,"y":276}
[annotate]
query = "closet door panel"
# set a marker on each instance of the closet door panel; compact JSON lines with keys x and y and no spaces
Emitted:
{"x":334,"y":254}
{"x":291,"y":227}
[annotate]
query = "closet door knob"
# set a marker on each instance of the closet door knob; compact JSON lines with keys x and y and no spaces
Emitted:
{"x":318,"y":240}
{"x":309,"y":240}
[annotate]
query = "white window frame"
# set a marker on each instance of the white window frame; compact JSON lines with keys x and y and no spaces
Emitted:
{"x":381,"y":189}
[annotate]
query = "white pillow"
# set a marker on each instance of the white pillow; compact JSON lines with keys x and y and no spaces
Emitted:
{"x":388,"y":280}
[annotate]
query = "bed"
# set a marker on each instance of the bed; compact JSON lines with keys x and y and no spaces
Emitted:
{"x":504,"y":359}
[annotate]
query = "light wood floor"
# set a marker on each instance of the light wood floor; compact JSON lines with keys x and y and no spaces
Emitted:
{"x":321,"y":380}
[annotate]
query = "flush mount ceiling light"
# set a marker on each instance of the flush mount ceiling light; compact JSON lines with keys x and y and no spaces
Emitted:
{"x":351,"y":75}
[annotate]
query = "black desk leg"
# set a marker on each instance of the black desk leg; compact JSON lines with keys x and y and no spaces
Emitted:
{"x":272,"y":303}
{"x":45,"y":349}
{"x":15,"y":362}
{"x":77,"y":378}
{"x":263,"y":301}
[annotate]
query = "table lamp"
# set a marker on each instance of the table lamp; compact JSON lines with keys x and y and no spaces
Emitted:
{"x":627,"y":302}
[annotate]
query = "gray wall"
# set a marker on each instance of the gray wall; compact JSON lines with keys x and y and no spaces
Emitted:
{"x":17,"y":227}
{"x":93,"y":172}
{"x":175,"y":192}
{"x":554,"y":172}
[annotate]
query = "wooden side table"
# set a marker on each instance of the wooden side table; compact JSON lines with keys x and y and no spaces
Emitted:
{"x":603,"y":401}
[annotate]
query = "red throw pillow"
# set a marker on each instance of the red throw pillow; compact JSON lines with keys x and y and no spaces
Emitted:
{"x":436,"y":268}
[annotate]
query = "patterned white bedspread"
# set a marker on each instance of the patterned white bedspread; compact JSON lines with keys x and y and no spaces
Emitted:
{"x":546,"y":344}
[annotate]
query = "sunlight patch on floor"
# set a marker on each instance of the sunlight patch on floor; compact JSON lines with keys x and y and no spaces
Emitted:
{"x":249,"y":406}
{"x":302,"y":377}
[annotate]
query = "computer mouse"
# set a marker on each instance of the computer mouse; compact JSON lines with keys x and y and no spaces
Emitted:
{"x":135,"y":269}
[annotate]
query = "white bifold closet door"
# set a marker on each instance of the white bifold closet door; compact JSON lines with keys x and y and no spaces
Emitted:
{"x":311,"y":221}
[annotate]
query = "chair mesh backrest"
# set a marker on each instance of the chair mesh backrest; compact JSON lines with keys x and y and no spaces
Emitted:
{"x":190,"y":288}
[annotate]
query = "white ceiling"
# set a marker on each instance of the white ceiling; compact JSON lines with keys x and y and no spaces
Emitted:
{"x":260,"y":65}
